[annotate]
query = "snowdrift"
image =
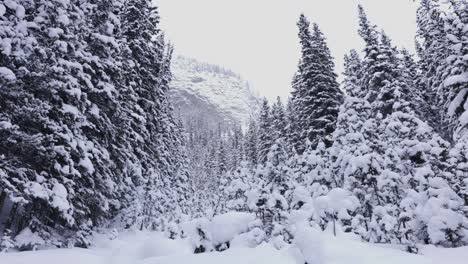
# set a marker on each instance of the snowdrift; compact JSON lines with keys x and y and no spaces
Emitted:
{"x":155,"y":248}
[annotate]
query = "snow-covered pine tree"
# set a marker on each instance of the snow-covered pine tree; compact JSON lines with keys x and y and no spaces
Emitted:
{"x":238,"y":184}
{"x":459,"y":163}
{"x":317,"y":96}
{"x":101,"y":63}
{"x":95,"y":151}
{"x":64,"y":183}
{"x":294,"y":137}
{"x":352,"y":73}
{"x":317,"y":178}
{"x":356,"y":162}
{"x":358,"y":153}
{"x":181,"y":185}
{"x":265,"y":133}
{"x":432,"y":50}
{"x":154,"y":129}
{"x":236,"y":148}
{"x":277,"y":184}
{"x":419,"y":97}
{"x":410,"y":150}
{"x":221,"y":160}
{"x":279,"y":121}
{"x":442,"y":34}
{"x":453,"y":91}
{"x":251,"y":143}
{"x":177,"y":175}
{"x":369,"y":34}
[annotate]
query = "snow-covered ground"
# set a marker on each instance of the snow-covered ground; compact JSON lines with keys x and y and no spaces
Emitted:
{"x":154,"y":248}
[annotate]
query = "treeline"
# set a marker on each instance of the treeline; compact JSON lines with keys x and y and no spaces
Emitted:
{"x":87,"y":135}
{"x":206,"y":67}
{"x":384,"y":158}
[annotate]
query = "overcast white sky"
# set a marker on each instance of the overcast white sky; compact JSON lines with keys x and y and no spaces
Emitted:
{"x":258,"y":38}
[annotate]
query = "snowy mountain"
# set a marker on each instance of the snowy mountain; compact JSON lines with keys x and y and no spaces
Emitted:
{"x":211,"y":92}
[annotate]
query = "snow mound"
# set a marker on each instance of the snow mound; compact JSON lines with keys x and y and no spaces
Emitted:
{"x":221,"y":229}
{"x":226,"y":226}
{"x":263,"y":254}
{"x":309,"y":245}
{"x":138,"y":245}
{"x":28,"y":239}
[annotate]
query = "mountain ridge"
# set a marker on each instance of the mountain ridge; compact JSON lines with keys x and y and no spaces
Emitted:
{"x":211,"y":92}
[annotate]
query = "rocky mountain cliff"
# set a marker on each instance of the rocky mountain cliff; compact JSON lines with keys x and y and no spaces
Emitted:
{"x":211,"y":92}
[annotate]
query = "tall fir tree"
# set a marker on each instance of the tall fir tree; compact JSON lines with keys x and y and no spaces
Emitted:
{"x":265,"y":137}
{"x":352,"y":74}
{"x":251,"y":143}
{"x":91,"y":107}
{"x":316,"y":96}
{"x":279,"y":121}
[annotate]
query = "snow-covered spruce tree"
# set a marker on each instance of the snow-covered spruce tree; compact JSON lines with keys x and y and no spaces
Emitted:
{"x":379,"y":72}
{"x":294,"y":137}
{"x":101,"y":62}
{"x":425,"y":151}
{"x":369,"y":34}
{"x":155,"y":133}
{"x":251,"y":143}
{"x":181,"y":185}
{"x":136,"y":95}
{"x":6,"y":242}
{"x":274,"y":205}
{"x":279,"y":121}
{"x":236,"y":147}
{"x":453,"y":91}
{"x":93,"y":149}
{"x":265,"y":137}
{"x":459,"y":164}
{"x":317,"y":177}
{"x":353,"y":163}
{"x":355,"y":156}
{"x":316,"y":97}
{"x":335,"y":209}
{"x":221,"y":160}
{"x":419,"y":158}
{"x":431,"y":47}
{"x":237,"y":186}
{"x":352,"y":73}
{"x":214,"y":155}
{"x":201,"y":155}
{"x":412,"y":75}
{"x":68,"y":165}
{"x":382,"y":89}
{"x":410,"y":150}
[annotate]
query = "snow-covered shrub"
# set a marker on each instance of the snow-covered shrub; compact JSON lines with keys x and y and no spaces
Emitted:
{"x":7,"y":242}
{"x":442,"y":213}
{"x":172,"y":230}
{"x":28,"y":240}
{"x":336,"y":206}
{"x":83,"y":238}
{"x":217,"y":234}
{"x":199,"y":235}
{"x":309,"y":243}
{"x":225,"y":227}
{"x":249,"y":239}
